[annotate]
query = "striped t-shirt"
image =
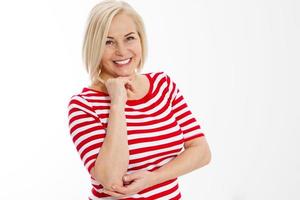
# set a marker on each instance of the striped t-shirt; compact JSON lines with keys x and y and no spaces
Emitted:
{"x":158,"y":124}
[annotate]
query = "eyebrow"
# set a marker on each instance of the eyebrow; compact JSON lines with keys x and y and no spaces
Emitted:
{"x":124,"y":35}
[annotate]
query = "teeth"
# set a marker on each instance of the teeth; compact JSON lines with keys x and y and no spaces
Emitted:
{"x":123,"y":62}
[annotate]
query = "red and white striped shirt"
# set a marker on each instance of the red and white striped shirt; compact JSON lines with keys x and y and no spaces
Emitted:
{"x":157,"y":127}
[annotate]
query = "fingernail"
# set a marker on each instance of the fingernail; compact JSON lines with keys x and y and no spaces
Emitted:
{"x":125,"y":178}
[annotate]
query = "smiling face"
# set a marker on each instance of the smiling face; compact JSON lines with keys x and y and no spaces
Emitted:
{"x":123,"y":51}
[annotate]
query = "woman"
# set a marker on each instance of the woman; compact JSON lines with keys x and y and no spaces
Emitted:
{"x":133,"y":131}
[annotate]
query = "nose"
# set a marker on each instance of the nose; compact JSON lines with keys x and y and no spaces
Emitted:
{"x":121,"y":49}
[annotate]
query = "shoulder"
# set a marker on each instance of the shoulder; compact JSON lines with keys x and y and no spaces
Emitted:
{"x":160,"y":76}
{"x":79,"y":101}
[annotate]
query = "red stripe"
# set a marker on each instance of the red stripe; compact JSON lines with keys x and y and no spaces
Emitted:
{"x":154,"y":138}
{"x":191,"y":129}
{"x":157,"y":186}
{"x":153,"y":148}
{"x":151,"y":122}
{"x":137,"y":160}
{"x":164,"y":193}
{"x":89,"y":139}
{"x":157,"y":112}
{"x":193,"y":137}
{"x":177,"y":197}
{"x":90,"y":148}
{"x":77,"y":117}
{"x":151,"y":163}
{"x":162,"y":128}
{"x":77,"y":102}
{"x":84,"y":132}
{"x":188,"y":122}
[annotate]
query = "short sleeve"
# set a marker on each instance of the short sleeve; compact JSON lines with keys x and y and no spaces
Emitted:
{"x":86,"y":130}
{"x":190,"y":127}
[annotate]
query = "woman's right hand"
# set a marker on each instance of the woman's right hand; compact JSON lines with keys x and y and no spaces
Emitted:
{"x":119,"y":89}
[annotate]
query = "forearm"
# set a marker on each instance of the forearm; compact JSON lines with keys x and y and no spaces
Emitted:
{"x":190,"y":159}
{"x":113,"y":158}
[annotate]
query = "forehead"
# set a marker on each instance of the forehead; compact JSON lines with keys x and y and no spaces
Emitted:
{"x":121,"y":25}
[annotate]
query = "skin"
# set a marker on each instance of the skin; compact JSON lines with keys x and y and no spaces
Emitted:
{"x":122,"y":83}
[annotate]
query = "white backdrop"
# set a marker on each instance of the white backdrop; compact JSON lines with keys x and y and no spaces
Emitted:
{"x":236,"y":62}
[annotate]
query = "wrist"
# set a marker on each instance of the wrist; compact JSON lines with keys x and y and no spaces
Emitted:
{"x":156,"y":179}
{"x":117,"y":106}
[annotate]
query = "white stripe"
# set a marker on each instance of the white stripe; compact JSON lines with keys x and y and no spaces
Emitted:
{"x":151,"y":160}
{"x":186,"y":118}
{"x":87,"y":165}
{"x":180,"y":112}
{"x":180,"y":103}
{"x":90,"y":153}
{"x":154,"y":100}
{"x":73,"y":114}
{"x":83,"y":128}
{"x":86,"y":136}
{"x":97,"y":97}
{"x":147,"y":115}
{"x":170,"y":196}
{"x":149,"y":153}
{"x":151,"y":126}
{"x":155,"y":143}
{"x":150,"y":167}
{"x":191,"y":134}
{"x":153,"y":134}
{"x":186,"y":127}
{"x":83,"y":101}
{"x":161,"y":189}
{"x":85,"y":146}
{"x":81,"y":120}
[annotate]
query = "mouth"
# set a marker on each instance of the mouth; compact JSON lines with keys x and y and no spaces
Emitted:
{"x":122,"y":63}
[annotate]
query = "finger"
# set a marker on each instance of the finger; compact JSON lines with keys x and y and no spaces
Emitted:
{"x":123,"y":190}
{"x":131,"y":177}
{"x":129,"y":86}
{"x":126,"y":182}
{"x":114,"y":194}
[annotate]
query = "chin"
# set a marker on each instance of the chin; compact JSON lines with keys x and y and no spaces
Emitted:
{"x":126,"y":73}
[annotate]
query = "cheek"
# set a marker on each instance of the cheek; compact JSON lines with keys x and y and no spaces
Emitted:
{"x":138,"y":50}
{"x":106,"y":57}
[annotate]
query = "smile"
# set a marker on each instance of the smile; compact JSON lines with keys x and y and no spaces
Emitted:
{"x":122,"y":62}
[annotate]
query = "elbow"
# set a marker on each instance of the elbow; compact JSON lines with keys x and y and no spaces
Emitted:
{"x":207,"y":154}
{"x":106,"y":178}
{"x":205,"y":157}
{"x":96,"y":175}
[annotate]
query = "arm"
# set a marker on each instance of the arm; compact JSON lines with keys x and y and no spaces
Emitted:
{"x":95,"y":144}
{"x":196,"y":152}
{"x":104,"y":152}
{"x":196,"y":155}
{"x":113,"y":158}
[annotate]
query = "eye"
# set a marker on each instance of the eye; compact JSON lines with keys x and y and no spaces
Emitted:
{"x":130,"y":38}
{"x":109,"y":42}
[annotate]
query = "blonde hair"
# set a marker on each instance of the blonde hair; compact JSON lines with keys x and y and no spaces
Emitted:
{"x":96,"y":33}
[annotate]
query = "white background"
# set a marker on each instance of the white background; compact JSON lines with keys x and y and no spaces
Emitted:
{"x":235,"y":61}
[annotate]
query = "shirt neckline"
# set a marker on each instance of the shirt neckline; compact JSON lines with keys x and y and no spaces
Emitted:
{"x":131,"y":101}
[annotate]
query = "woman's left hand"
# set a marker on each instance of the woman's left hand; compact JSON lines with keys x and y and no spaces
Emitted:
{"x":133,"y":183}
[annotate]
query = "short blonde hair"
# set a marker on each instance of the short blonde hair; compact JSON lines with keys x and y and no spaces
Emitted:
{"x":96,"y":33}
